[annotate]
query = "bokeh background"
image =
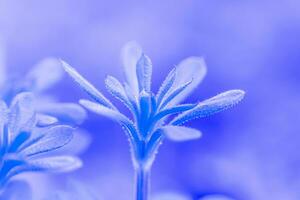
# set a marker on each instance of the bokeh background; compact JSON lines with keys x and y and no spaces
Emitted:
{"x":248,"y":153}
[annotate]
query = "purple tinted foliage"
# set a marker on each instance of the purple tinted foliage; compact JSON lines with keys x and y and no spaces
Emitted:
{"x":251,"y":153}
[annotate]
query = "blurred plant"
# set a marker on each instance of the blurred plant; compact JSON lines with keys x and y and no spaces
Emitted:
{"x":150,"y":112}
{"x":41,"y":77}
{"x":27,"y":139}
{"x":44,"y":75}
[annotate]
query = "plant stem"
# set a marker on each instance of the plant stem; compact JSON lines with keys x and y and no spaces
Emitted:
{"x":142,"y":183}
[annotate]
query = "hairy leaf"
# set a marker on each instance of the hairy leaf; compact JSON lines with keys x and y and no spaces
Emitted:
{"x":211,"y":106}
{"x":117,"y":90}
{"x":166,"y":86}
{"x":112,"y":114}
{"x":173,"y":110}
{"x":176,"y":92}
{"x":192,"y":68}
{"x":144,"y":73}
{"x":86,"y":86}
{"x":102,"y":110}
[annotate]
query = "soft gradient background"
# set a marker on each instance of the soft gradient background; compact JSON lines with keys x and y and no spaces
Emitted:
{"x":249,"y":153}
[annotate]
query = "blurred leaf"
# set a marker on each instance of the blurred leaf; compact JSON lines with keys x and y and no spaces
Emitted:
{"x":215,"y":197}
{"x":69,"y":113}
{"x":130,"y":54}
{"x":180,"y":133}
{"x":22,"y":114}
{"x":54,"y":138}
{"x":45,"y":74}
{"x":49,"y":164}
{"x":45,"y":120}
{"x":79,"y":144}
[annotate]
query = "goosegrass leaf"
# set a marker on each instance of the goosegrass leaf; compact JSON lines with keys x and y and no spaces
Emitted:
{"x":211,"y":106}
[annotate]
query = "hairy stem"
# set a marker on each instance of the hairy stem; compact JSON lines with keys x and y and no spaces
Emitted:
{"x":142,"y":183}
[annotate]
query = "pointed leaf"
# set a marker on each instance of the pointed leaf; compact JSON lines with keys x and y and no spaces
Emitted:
{"x":173,"y":110}
{"x":166,"y":86}
{"x":55,"y":138}
{"x":131,"y":53}
{"x":86,"y":86}
{"x":69,"y":113}
{"x":45,"y":74}
{"x":111,"y":114}
{"x":192,"y":68}
{"x":104,"y":111}
{"x":144,"y":73}
{"x":176,"y":92}
{"x":180,"y":133}
{"x":211,"y":106}
{"x":117,"y":90}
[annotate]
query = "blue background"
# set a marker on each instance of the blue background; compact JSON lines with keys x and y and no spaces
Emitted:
{"x":249,"y":152}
